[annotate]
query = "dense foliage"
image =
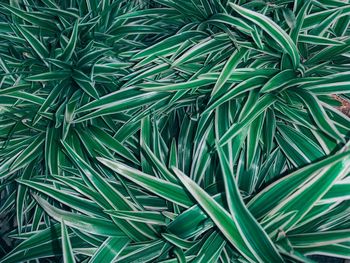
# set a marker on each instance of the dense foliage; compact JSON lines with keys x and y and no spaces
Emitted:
{"x":174,"y":130}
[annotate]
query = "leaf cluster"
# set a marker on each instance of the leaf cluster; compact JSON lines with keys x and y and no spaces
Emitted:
{"x":174,"y":130}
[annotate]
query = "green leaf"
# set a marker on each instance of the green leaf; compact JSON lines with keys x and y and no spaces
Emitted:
{"x":211,"y":249}
{"x":68,"y":256}
{"x":36,"y":245}
{"x":31,"y":18}
{"x":49,"y":76}
{"x":244,"y":86}
{"x":80,"y":204}
{"x":27,"y":154}
{"x":148,"y":252}
{"x":273,"y":194}
{"x":309,"y":193}
{"x":295,"y":32}
{"x":140,"y":216}
{"x":114,"y":103}
{"x":68,"y":51}
{"x":178,"y":86}
{"x":334,"y":84}
{"x":88,"y":224}
{"x":91,"y":56}
{"x":110,"y":249}
{"x":229,"y":67}
{"x":271,"y":28}
{"x":166,"y":174}
{"x":289,"y":17}
{"x":301,"y":143}
{"x":318,"y":40}
{"x":254,"y":134}
{"x":319,"y":115}
{"x":338,"y":192}
{"x":279,"y":80}
{"x":319,"y":239}
{"x":115,"y":199}
{"x":175,"y":240}
{"x":85,"y":83}
{"x":254,"y":236}
{"x":113,"y":144}
{"x":167,"y":43}
{"x":165,"y":189}
{"x":263,"y":103}
{"x":37,"y":46}
{"x":232,"y":21}
{"x":217,"y":213}
{"x":334,"y":250}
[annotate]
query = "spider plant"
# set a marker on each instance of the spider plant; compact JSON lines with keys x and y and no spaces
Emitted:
{"x":174,"y":130}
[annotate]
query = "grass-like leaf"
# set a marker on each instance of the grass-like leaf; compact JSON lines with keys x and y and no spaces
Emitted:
{"x":174,"y":130}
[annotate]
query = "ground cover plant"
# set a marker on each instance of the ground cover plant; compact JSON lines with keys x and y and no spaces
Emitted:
{"x":174,"y":130}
